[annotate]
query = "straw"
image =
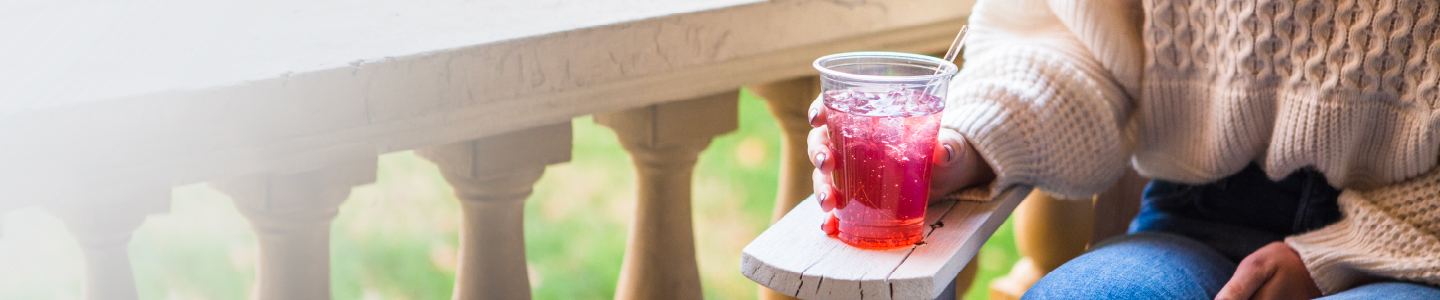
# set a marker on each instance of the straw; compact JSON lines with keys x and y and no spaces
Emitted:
{"x":955,"y":46}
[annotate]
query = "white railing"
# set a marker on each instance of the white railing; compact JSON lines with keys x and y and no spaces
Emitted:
{"x":285,"y":106}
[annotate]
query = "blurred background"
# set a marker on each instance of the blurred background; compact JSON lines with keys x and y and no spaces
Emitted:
{"x":397,"y":238}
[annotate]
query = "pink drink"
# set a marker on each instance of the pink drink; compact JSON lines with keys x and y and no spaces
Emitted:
{"x":883,"y":144}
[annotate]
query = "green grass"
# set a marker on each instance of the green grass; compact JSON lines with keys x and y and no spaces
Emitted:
{"x":397,"y":239}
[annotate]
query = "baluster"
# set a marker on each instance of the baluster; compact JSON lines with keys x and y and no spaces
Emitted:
{"x":789,"y":102}
{"x":291,"y":213}
{"x":1048,"y":232}
{"x":103,"y":230}
{"x":664,"y":141}
{"x":492,"y":177}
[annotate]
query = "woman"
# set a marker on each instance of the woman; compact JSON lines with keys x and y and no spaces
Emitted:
{"x":1293,"y":145}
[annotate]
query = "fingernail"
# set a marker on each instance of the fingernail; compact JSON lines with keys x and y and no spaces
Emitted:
{"x":825,"y":203}
{"x":949,"y":153}
{"x":820,"y":159}
{"x":811,"y":118}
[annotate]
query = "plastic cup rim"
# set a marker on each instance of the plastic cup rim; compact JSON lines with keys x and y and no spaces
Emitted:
{"x":946,"y":68}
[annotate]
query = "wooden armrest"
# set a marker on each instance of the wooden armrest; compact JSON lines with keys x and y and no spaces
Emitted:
{"x":795,"y":257}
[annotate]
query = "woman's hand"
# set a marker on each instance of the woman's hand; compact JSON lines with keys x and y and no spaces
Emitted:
{"x":1273,"y":272}
{"x":957,"y":165}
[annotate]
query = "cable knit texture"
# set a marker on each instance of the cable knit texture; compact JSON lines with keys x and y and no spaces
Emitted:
{"x":1389,"y":231}
{"x":1058,"y":94}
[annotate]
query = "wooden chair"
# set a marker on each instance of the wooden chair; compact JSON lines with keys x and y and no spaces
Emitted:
{"x":794,"y":258}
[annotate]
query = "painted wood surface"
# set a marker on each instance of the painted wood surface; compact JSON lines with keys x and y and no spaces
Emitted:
{"x":188,"y":92}
{"x":793,"y":256}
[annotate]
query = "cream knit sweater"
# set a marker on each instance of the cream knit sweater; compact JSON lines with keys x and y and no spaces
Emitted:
{"x":1059,"y":94}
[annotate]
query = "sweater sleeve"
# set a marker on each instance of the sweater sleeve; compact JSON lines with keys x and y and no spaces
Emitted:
{"x":1389,"y":232}
{"x":1046,"y":90}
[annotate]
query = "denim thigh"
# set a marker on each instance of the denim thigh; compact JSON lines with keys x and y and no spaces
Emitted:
{"x":1149,"y":265}
{"x":1388,"y":290}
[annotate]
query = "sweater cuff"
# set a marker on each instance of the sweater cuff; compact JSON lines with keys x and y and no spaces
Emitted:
{"x":1327,"y":266}
{"x":1041,"y":117}
{"x":1003,"y":146}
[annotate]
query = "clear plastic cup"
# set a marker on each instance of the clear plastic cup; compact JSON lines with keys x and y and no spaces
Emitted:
{"x":883,"y":114}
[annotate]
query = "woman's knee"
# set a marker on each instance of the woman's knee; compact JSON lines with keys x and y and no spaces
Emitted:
{"x":1139,"y":266}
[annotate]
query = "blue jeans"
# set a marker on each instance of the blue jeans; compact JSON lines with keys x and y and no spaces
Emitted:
{"x":1187,"y":239}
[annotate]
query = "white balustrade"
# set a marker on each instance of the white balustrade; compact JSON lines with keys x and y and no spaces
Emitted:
{"x":286,"y":112}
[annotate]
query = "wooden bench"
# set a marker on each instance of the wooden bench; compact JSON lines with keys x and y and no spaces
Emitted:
{"x":795,"y":257}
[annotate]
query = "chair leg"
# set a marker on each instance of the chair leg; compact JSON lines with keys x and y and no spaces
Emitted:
{"x":1048,"y":232}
